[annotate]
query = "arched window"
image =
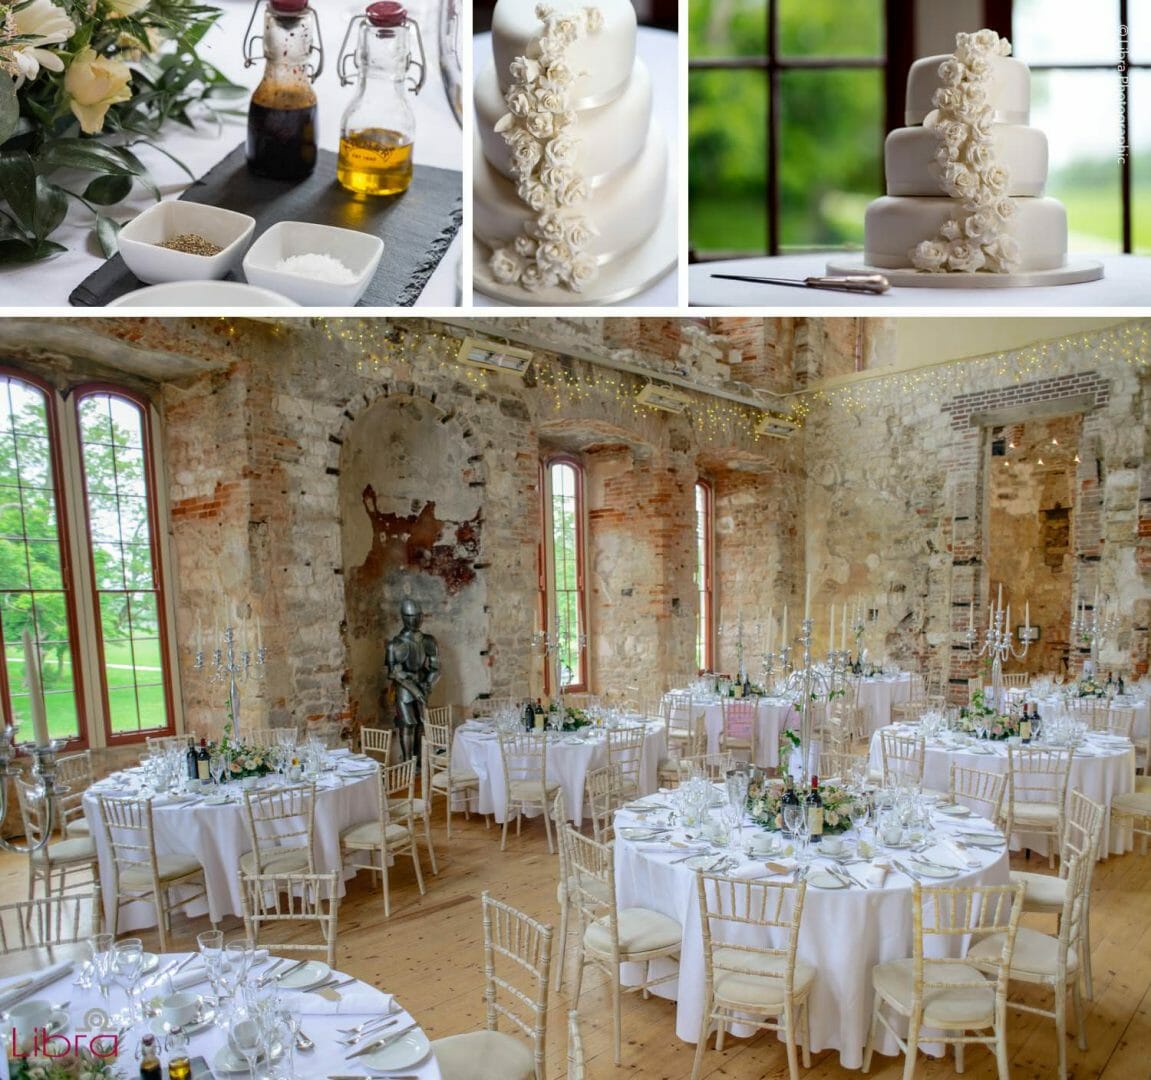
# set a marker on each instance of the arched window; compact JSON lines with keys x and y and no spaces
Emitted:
{"x":704,"y":573}
{"x":564,"y":573}
{"x":80,"y":563}
{"x":128,"y":600}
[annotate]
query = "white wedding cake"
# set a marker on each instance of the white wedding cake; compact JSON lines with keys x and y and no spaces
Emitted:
{"x":570,"y":178}
{"x":965,"y":178}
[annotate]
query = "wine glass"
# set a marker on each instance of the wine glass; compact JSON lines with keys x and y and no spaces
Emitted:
{"x":793,"y":817}
{"x":860,"y":815}
{"x":211,"y":945}
{"x":129,"y":962}
{"x":237,"y":962}
{"x":102,"y":950}
{"x":217,"y":765}
{"x":245,"y":1035}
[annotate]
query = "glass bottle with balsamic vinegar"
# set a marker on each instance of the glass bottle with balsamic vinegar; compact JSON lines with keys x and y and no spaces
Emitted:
{"x":379,"y":127}
{"x":282,"y":112}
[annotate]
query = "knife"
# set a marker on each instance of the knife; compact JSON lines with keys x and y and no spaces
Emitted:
{"x":288,"y":971}
{"x":855,"y":283}
{"x":381,"y":1044}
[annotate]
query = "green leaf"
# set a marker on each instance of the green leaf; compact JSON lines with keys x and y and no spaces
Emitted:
{"x":17,"y":251}
{"x":74,"y":154}
{"x":108,"y":190}
{"x":108,"y":233}
{"x":9,"y":108}
{"x":51,"y":206}
{"x":18,"y":186}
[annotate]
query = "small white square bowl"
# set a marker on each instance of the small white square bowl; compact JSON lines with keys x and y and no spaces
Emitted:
{"x":359,"y":252}
{"x":141,"y":238}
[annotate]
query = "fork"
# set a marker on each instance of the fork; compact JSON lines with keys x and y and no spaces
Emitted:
{"x":369,"y":1033}
{"x":393,"y":1008}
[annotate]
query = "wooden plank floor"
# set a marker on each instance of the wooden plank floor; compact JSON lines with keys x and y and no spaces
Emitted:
{"x":429,"y":954}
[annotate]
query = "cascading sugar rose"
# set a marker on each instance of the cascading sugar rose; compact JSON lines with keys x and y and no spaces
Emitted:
{"x":537,"y":127}
{"x":977,"y":237}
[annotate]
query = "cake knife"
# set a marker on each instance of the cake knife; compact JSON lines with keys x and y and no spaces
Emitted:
{"x":856,"y":283}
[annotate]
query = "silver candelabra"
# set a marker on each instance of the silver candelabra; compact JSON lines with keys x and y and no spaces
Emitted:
{"x":812,"y":684}
{"x":1093,"y":626}
{"x":47,"y":786}
{"x":999,"y":643}
{"x":549,"y":645}
{"x":234,"y":663}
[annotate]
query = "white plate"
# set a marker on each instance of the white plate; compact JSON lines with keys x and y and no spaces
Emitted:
{"x":955,"y":810}
{"x":641,"y":834}
{"x":312,"y":973}
{"x":402,"y":1054}
{"x":932,"y":871}
{"x":980,"y":840}
{"x":205,"y":1017}
{"x":151,"y":962}
{"x":217,"y":800}
{"x":227,"y":1061}
{"x":821,"y":879}
{"x":701,"y":862}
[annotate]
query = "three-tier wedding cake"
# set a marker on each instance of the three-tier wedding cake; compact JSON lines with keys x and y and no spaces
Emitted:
{"x":570,"y":196}
{"x":966,"y":177}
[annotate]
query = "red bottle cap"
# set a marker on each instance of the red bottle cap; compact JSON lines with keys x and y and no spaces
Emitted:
{"x":386,"y":13}
{"x":288,"y":7}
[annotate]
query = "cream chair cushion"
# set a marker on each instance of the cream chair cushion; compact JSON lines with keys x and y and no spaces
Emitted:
{"x":367,"y":834}
{"x":640,"y":930}
{"x":459,"y":777}
{"x":1037,"y":813}
{"x":966,"y":1007}
{"x":79,"y":849}
{"x":1134,"y":802}
{"x":400,"y":806}
{"x":1035,"y":954}
{"x":1045,"y":892}
{"x":484,"y":1055}
{"x":755,"y":980}
{"x":78,"y":826}
{"x":529,"y":790}
{"x":281,"y":861}
{"x":168,"y":868}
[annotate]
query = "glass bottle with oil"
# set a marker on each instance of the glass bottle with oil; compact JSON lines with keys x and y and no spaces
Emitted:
{"x":282,"y":112}
{"x":379,"y":127}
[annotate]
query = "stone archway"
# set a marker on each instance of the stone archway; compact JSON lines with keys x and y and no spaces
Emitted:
{"x":412,"y":501}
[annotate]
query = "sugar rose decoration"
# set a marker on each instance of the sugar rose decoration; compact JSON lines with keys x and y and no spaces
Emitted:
{"x":979,"y":236}
{"x":539,"y":129}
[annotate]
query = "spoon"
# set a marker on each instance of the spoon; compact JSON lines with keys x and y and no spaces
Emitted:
{"x":303,"y":1043}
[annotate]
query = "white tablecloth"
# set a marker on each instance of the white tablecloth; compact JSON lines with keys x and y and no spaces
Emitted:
{"x":438,"y":142}
{"x":217,"y":836}
{"x":570,"y":758}
{"x":321,"y":1019}
{"x":844,"y":934}
{"x":878,"y":694}
{"x":1126,"y":282}
{"x":1108,"y":772}
{"x":772,"y":715}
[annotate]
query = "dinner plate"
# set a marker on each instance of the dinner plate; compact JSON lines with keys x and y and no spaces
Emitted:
{"x":205,"y":1017}
{"x":702,"y":862}
{"x":151,"y":962}
{"x":641,"y":834}
{"x":228,"y":1061}
{"x":821,"y":879}
{"x":983,"y":840}
{"x":402,"y":1054}
{"x":933,"y":871}
{"x":217,"y":800}
{"x":955,"y":809}
{"x":312,"y":973}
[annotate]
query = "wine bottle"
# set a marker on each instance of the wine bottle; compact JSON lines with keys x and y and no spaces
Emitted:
{"x":190,"y":760}
{"x":203,"y":757}
{"x":1036,"y":720}
{"x":150,"y":1067}
{"x":528,"y":715}
{"x":737,"y":689}
{"x":746,"y":686}
{"x":815,"y":812}
{"x":539,"y":720}
{"x":1120,"y":685}
{"x":789,"y":799}
{"x":1025,"y":727}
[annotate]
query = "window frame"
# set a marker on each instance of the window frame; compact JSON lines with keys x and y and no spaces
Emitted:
{"x":899,"y":37}
{"x":1000,"y":18}
{"x":64,"y":534}
{"x":79,"y":393}
{"x":705,"y":591}
{"x":550,"y":604}
{"x":77,"y":566}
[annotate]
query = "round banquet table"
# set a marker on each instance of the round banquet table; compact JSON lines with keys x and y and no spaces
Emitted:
{"x":217,"y":835}
{"x":844,"y":933}
{"x":878,"y":693}
{"x":772,"y":715}
{"x":570,"y":757}
{"x":321,"y":1017}
{"x":1126,"y":281}
{"x":1055,"y":706}
{"x":1101,"y":770}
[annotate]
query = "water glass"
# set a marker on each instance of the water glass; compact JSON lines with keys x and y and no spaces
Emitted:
{"x":129,"y":962}
{"x":211,"y":945}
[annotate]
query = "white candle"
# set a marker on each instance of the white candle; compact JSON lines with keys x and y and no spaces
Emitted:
{"x":35,"y":691}
{"x":1027,"y":615}
{"x":843,"y":630}
{"x":770,"y":629}
{"x":971,"y":618}
{"x":783,"y":643}
{"x":807,"y":600}
{"x":1095,"y":606}
{"x":259,"y":633}
{"x":1007,"y":625}
{"x":831,"y":628}
{"x":1000,"y":604}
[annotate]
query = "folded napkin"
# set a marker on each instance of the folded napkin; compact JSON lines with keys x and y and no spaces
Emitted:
{"x":876,"y":875}
{"x":355,"y":998}
{"x":16,"y":990}
{"x":751,"y":870}
{"x":780,"y":866}
{"x":339,"y":752}
{"x":170,"y":799}
{"x":667,"y":846}
{"x":959,"y":857}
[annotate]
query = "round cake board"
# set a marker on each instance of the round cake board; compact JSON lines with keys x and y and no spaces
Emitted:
{"x":617,"y":281}
{"x":1076,"y":271}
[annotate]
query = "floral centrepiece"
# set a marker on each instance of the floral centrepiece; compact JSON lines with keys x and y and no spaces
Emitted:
{"x":244,"y":760}
{"x":979,"y":236}
{"x":83,"y":85}
{"x":538,"y":128}
{"x":980,"y":717}
{"x":1088,"y":687}
{"x":765,"y":806}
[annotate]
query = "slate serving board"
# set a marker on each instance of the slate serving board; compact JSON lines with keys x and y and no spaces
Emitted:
{"x":416,"y":227}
